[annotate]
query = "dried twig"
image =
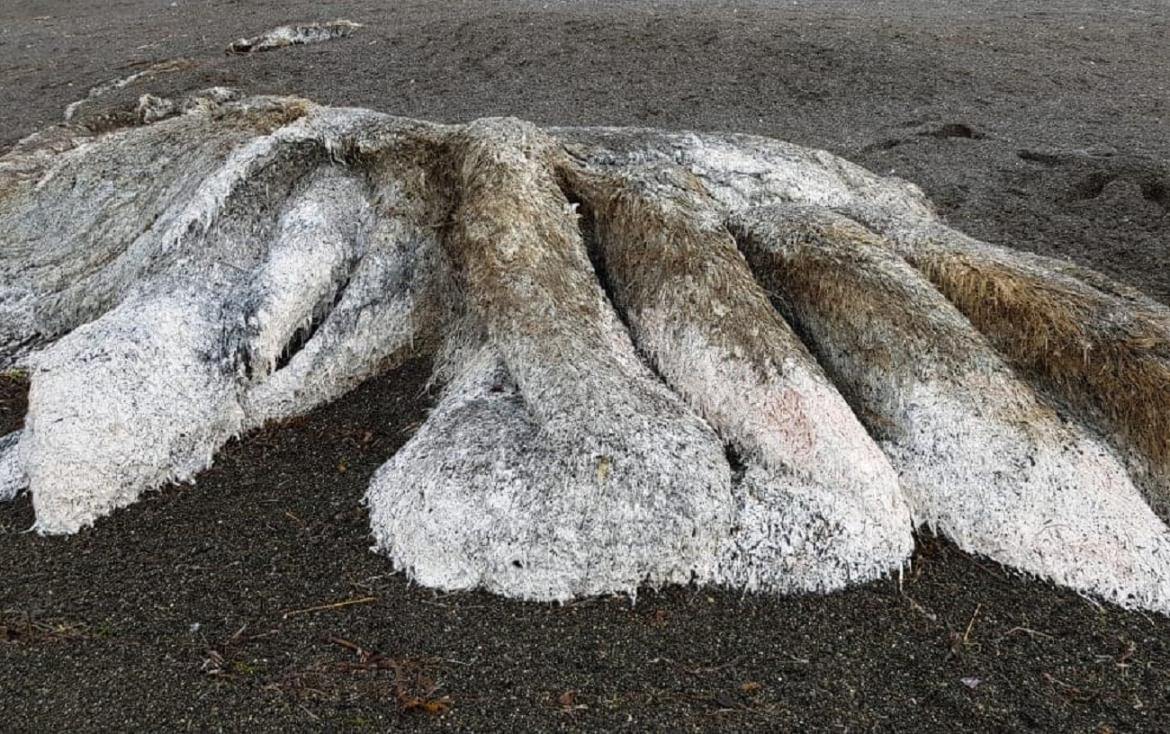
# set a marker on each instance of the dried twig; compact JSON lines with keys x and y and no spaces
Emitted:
{"x":1028,"y":631}
{"x":919,"y":608}
{"x":971,"y":624}
{"x":335,"y":605}
{"x":17,"y":626}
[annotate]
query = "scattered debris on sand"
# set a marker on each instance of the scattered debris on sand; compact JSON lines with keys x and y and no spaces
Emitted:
{"x":160,"y":67}
{"x":294,"y":35}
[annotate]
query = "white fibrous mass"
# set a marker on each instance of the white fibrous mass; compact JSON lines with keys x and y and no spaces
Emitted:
{"x":662,"y":358}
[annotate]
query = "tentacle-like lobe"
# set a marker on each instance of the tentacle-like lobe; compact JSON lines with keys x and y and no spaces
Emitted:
{"x":981,"y":457}
{"x":664,"y":357}
{"x":707,"y":327}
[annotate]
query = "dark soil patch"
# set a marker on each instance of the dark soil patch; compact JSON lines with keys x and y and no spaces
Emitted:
{"x":251,"y":600}
{"x":13,"y":401}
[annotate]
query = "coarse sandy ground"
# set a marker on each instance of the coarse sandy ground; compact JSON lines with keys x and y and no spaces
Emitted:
{"x":1040,"y":125}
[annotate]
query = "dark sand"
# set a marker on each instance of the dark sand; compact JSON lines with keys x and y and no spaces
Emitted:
{"x":1039,"y":125}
